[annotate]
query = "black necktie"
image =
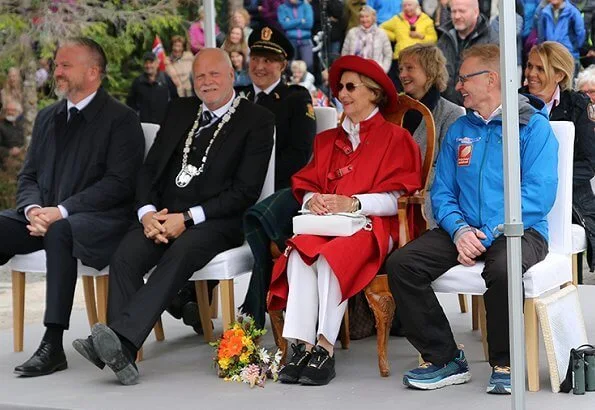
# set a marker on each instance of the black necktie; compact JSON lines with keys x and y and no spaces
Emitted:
{"x":206,"y":118}
{"x":261,"y":96}
{"x":72,"y":112}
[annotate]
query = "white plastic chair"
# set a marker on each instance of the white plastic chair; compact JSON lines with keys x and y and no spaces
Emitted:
{"x":326,"y":118}
{"x":227,"y":266}
{"x":35,"y":263}
{"x":553,"y":272}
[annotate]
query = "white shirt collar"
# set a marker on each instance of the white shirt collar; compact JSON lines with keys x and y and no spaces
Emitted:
{"x":81,"y":104}
{"x":220,"y":112}
{"x":554,"y":102}
{"x":493,"y":115}
{"x":268,"y":90}
{"x":352,"y":130}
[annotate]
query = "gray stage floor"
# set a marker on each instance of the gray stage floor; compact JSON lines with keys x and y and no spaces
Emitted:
{"x":178,"y":374}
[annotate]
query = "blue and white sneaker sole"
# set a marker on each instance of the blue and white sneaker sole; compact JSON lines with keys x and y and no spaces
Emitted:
{"x":498,"y":388}
{"x":433,"y":384}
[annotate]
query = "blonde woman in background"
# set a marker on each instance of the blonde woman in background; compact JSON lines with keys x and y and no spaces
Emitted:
{"x":13,"y":87}
{"x":368,"y":41}
{"x":179,"y":66}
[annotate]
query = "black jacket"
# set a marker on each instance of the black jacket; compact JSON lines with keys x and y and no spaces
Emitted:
{"x":100,"y":164}
{"x":295,"y":125}
{"x":149,"y":100}
{"x":335,"y":14}
{"x":235,"y":168}
{"x":573,"y":107}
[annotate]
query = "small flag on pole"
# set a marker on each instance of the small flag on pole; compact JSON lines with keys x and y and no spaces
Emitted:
{"x":159,"y":52}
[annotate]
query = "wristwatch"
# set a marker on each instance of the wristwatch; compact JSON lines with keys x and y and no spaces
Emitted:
{"x":357,"y":205}
{"x":188,"y":220}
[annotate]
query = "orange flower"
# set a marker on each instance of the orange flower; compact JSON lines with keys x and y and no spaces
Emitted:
{"x":235,"y":346}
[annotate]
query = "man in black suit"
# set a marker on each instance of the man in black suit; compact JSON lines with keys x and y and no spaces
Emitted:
{"x":76,"y":188}
{"x":206,"y":167}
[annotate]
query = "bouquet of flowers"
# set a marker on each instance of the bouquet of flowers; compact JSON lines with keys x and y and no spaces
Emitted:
{"x":239,"y":357}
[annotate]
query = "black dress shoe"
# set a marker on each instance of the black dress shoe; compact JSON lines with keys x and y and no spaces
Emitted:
{"x":320,"y":370}
{"x":87,"y":350}
{"x":46,"y":360}
{"x":191,"y":317}
{"x":109,"y":349}
{"x":177,"y":304}
{"x":292,"y":371}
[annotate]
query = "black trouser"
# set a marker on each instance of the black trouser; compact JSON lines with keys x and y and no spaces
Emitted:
{"x":60,"y":264}
{"x":412,"y":269}
{"x":133,"y":306}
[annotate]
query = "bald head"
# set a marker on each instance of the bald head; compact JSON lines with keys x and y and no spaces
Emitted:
{"x":213,"y":77}
{"x":464,"y":14}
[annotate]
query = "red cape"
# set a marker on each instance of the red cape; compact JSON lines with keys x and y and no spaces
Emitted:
{"x":387,"y":159}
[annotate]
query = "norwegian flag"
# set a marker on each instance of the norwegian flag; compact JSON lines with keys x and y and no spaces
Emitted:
{"x":159,"y":51}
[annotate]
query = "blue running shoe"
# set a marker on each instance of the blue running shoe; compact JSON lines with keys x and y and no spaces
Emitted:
{"x":499,"y":380}
{"x":429,"y":376}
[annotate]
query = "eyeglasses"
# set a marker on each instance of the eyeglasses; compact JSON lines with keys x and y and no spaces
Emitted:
{"x":350,"y":87}
{"x":464,"y":78}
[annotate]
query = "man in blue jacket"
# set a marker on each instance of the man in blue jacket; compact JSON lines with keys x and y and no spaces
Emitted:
{"x":468,"y":204}
{"x":296,"y":18}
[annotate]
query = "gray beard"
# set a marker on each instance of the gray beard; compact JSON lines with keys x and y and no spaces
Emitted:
{"x":59,"y":93}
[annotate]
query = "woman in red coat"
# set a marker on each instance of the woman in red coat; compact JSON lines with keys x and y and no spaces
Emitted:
{"x":362,"y":166}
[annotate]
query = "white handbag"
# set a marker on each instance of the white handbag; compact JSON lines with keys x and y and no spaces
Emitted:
{"x":339,"y":224}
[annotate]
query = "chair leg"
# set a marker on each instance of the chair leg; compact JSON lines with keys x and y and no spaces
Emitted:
{"x":344,"y":331}
{"x":18,"y":309}
{"x":215,"y":303}
{"x":202,"y":297}
{"x":474,"y":318}
{"x":277,"y":323}
{"x":89,"y":292}
{"x":463,"y":303}
{"x":101,"y":282}
{"x":532,"y":345}
{"x":227,"y":303}
{"x":382,"y":304}
{"x":139,"y":355}
{"x":481,"y":313}
{"x":575,"y":268}
{"x":158,"y":330}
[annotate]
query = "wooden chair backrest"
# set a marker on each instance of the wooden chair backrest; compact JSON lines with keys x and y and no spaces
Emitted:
{"x":407,"y":103}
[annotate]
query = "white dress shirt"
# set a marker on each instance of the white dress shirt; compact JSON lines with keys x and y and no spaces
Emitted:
{"x":197,"y":212}
{"x":69,"y":104}
{"x":267,"y":90}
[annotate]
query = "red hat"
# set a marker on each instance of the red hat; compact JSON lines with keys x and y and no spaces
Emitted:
{"x":370,"y":69}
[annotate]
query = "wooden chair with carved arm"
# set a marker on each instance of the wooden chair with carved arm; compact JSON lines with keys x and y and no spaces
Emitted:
{"x":377,"y":292}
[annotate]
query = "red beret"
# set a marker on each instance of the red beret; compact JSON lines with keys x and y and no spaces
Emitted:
{"x":368,"y":68}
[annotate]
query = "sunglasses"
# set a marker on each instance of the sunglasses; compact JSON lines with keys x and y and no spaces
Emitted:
{"x":350,"y":87}
{"x":464,"y":78}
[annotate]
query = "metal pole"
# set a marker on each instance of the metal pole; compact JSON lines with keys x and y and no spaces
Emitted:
{"x":209,"y":23}
{"x":513,"y":225}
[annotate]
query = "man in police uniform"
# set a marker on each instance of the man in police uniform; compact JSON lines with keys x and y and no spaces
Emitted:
{"x":292,"y":105}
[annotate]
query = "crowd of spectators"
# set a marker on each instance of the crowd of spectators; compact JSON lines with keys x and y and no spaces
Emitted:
{"x":381,"y":29}
{"x":372,"y":29}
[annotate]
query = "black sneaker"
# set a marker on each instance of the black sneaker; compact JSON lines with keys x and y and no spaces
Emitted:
{"x":293,"y":369}
{"x":320,"y":369}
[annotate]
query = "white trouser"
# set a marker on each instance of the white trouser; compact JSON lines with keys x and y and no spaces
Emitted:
{"x":314,"y":295}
